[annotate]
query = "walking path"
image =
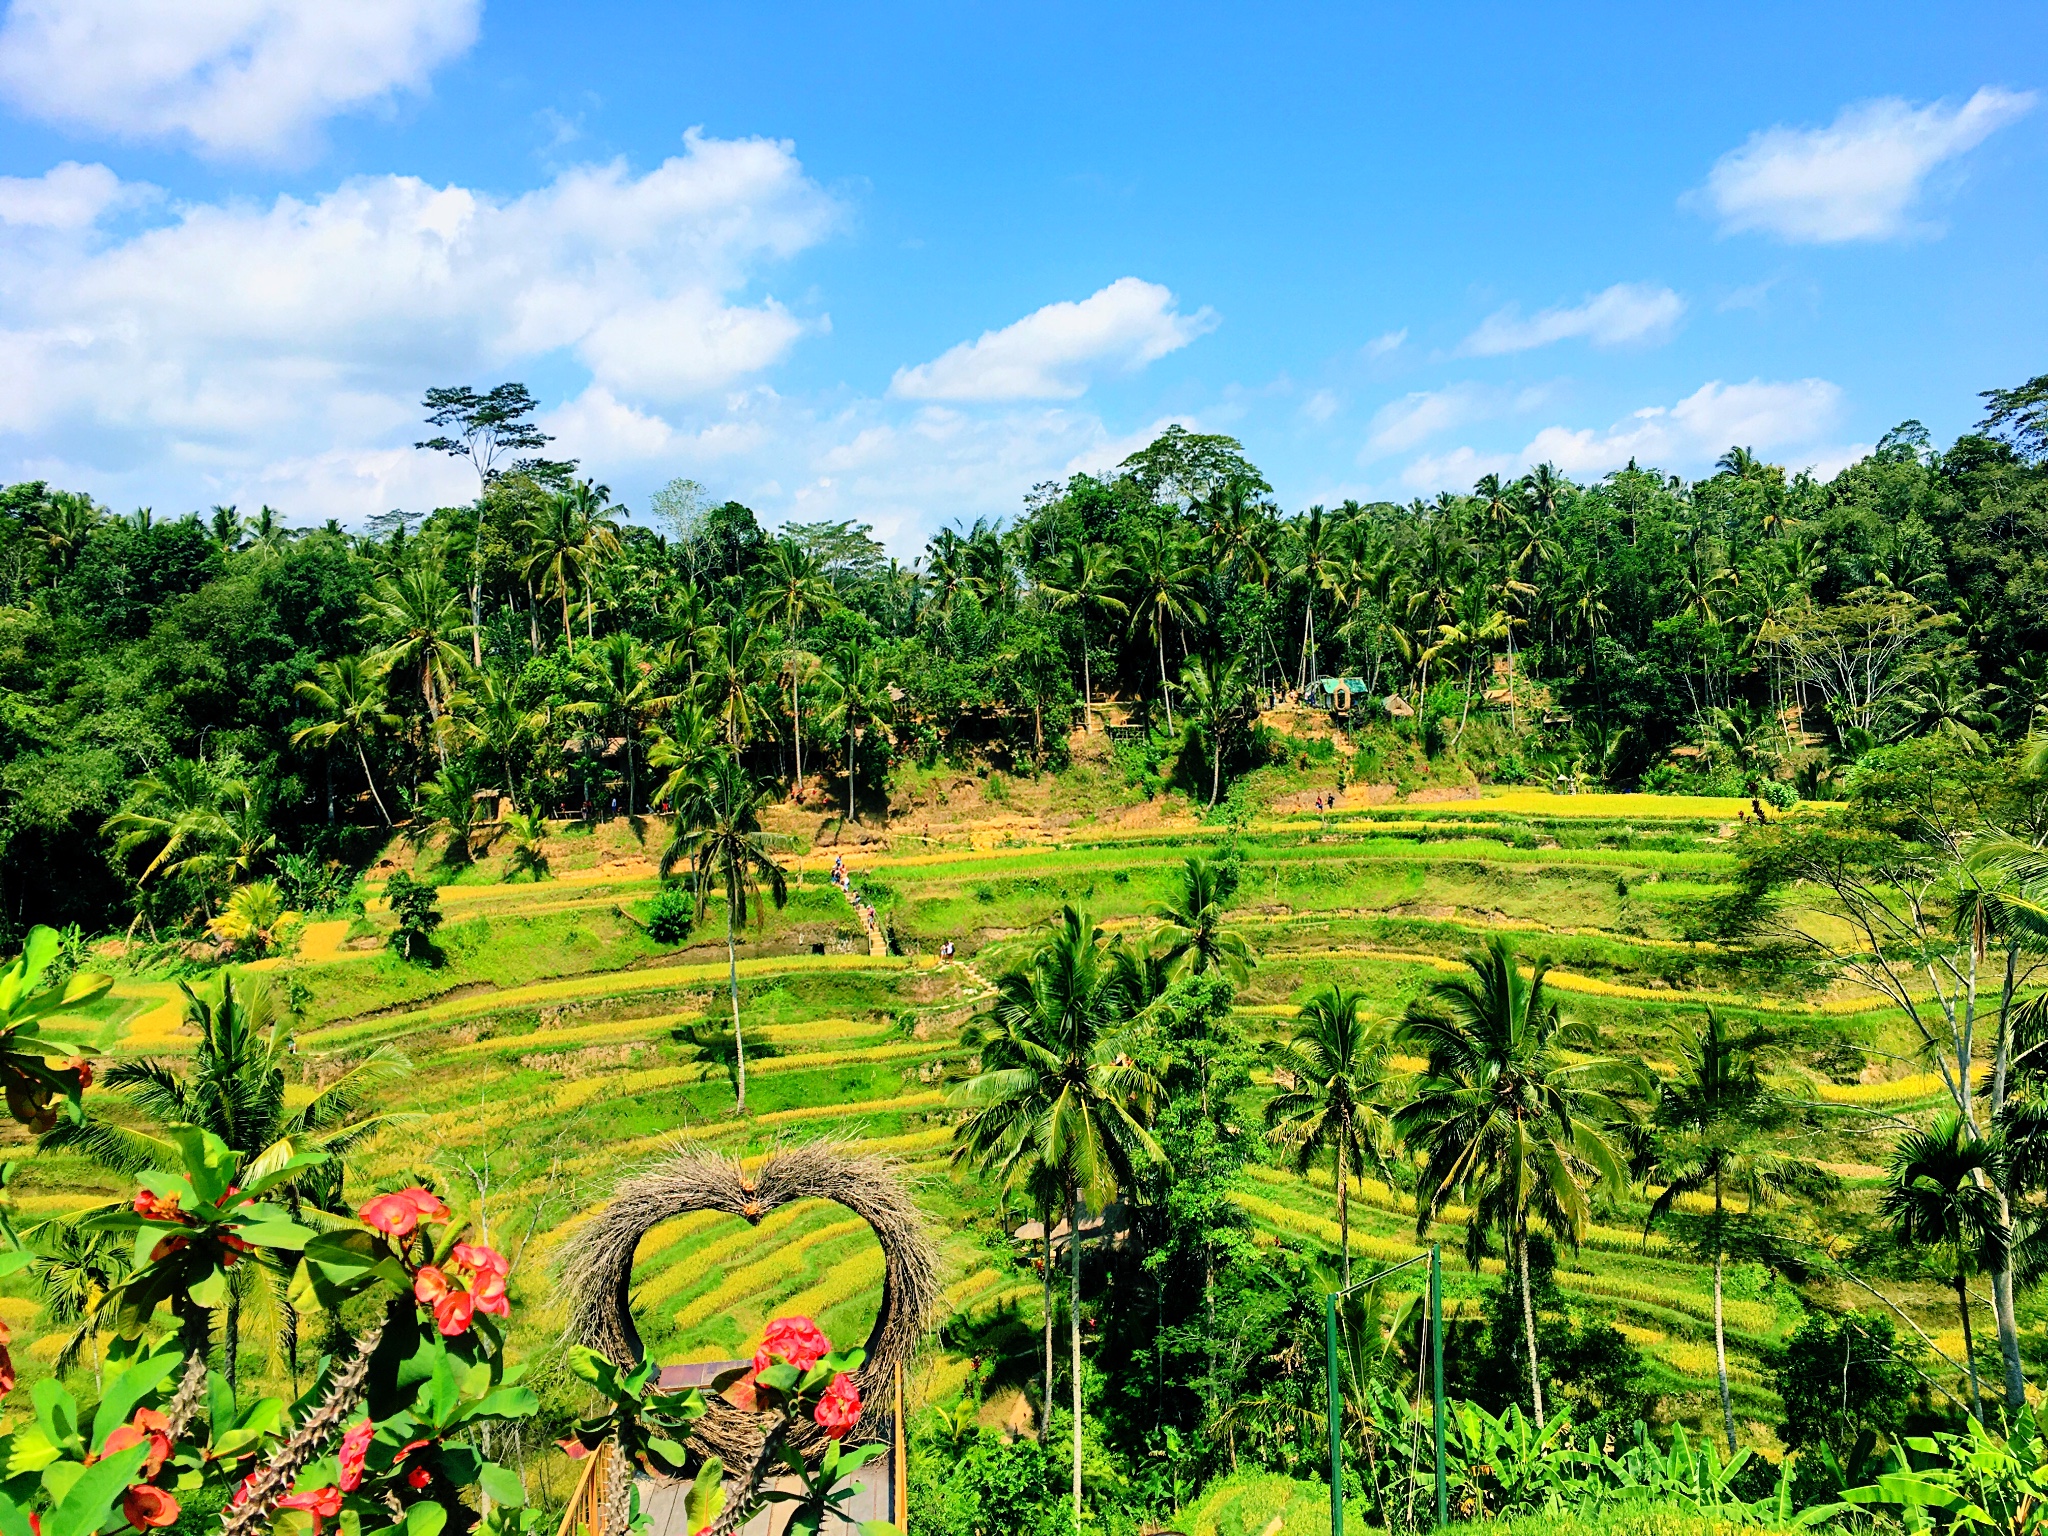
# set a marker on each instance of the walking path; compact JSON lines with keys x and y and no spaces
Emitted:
{"x":877,"y":943}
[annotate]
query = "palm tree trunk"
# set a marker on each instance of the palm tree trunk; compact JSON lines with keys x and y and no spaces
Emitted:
{"x":476,"y":620}
{"x":796,"y":721}
{"x":1165,"y":693}
{"x":732,"y":976}
{"x":1045,"y":1419}
{"x":1215,"y":768}
{"x":369,"y":780}
{"x":1969,"y":1345}
{"x":1529,"y":1322}
{"x":1720,"y":1337}
{"x":1074,"y":1334}
{"x":568,"y":634}
{"x":1344,"y":1192}
{"x":1087,"y":690}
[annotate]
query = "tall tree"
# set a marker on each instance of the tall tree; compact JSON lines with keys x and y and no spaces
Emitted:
{"x":1333,"y":1096}
{"x":1083,"y":579}
{"x":1058,"y":1085}
{"x":421,"y":619}
{"x":353,"y":705}
{"x":1219,"y":705}
{"x":794,"y":591}
{"x":1167,"y":589}
{"x":1193,"y":928}
{"x":1719,"y":1129}
{"x":1506,"y":1117}
{"x":717,"y":837}
{"x":857,"y":702}
{"x":1939,"y":1193}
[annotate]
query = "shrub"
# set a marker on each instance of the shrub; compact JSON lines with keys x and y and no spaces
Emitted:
{"x":416,"y":905}
{"x":669,"y":915}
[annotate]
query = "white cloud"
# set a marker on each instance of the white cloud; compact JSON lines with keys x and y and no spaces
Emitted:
{"x":1052,"y":353}
{"x":1766,"y":416}
{"x":1104,"y":452}
{"x":1857,"y":178}
{"x":233,"y":77}
{"x":1417,"y":417}
{"x":67,"y":196}
{"x":1321,"y":406}
{"x":225,"y":337}
{"x":1627,"y":312}
{"x":1453,"y":471}
{"x":1380,"y":346}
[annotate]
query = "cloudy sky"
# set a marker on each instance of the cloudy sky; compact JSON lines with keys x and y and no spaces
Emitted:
{"x":899,"y":263}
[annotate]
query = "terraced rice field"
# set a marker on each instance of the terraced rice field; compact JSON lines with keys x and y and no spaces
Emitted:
{"x":555,"y":1050}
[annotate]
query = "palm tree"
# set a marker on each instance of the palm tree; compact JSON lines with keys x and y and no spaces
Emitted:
{"x":1315,"y":548}
{"x":731,"y":674}
{"x":447,"y":804}
{"x":796,"y":590}
{"x":595,"y":521}
{"x":1167,"y":585}
{"x":350,"y":695}
{"x":686,"y":753}
{"x":1057,"y":1087}
{"x":76,"y":1271}
{"x":501,"y":725}
{"x":235,"y":1086}
{"x":856,"y":701}
{"x":1504,"y":1118}
{"x":717,"y":836}
{"x":1194,"y":925}
{"x":1086,"y":577}
{"x":63,"y":525}
{"x":620,"y":677}
{"x":1219,"y":699}
{"x":1719,"y":1129}
{"x":529,"y":854}
{"x":202,"y":825}
{"x":422,"y":618}
{"x":1938,"y":1194}
{"x":1333,"y":1097}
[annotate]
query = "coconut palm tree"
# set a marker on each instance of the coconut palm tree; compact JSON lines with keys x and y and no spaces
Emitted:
{"x":1939,"y":1194}
{"x":1720,"y":1130}
{"x":618,"y":674}
{"x":1219,"y":702}
{"x":1334,"y":1095}
{"x":686,"y":753}
{"x":447,"y":803}
{"x":1315,"y":555}
{"x":795,"y":590}
{"x":423,"y":619}
{"x":1084,"y":578}
{"x":529,"y":855}
{"x":717,"y":836}
{"x":76,"y":1271}
{"x":1167,"y":587}
{"x":857,"y":702}
{"x":1193,"y":925}
{"x":1504,"y":1118}
{"x":62,"y":526}
{"x":732,"y":676}
{"x":1058,"y":1087}
{"x":211,"y":828}
{"x":350,"y":695}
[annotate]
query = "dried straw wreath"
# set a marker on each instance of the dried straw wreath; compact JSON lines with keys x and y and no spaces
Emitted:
{"x":596,"y":1267}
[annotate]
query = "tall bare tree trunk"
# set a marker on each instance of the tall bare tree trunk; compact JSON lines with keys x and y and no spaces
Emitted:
{"x":1074,"y":1333}
{"x":1969,"y":1346}
{"x":732,"y":975}
{"x":1529,"y":1322}
{"x":1721,"y":1341}
{"x":1344,"y":1191}
{"x":1087,"y":688}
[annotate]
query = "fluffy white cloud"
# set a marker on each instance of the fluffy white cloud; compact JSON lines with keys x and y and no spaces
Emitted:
{"x":1052,"y":353}
{"x":1453,"y":471}
{"x":1857,"y":178}
{"x":65,"y":197}
{"x":1627,"y":312}
{"x":226,"y":337}
{"x":1417,"y":417}
{"x":233,"y":77}
{"x":1380,"y":346}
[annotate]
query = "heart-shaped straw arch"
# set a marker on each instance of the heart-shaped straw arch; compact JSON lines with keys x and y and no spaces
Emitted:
{"x":596,"y":1266}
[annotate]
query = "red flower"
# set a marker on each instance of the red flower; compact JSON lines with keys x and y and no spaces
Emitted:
{"x":6,"y":1371}
{"x":453,"y":1313}
{"x":84,"y":1070}
{"x":242,"y":1491}
{"x":321,"y":1503}
{"x":490,"y":1296}
{"x":393,"y":1215}
{"x":355,"y":1449}
{"x":152,"y":1207}
{"x":149,"y":1509}
{"x":429,"y":1285}
{"x":839,"y":1409}
{"x":795,"y":1339}
{"x":573,"y":1448}
{"x":151,"y":1426}
{"x":481,"y":1260}
{"x":168,"y":1246}
{"x":426,"y":1202}
{"x":419,"y":1477}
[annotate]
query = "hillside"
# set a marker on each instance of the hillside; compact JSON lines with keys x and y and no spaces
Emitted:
{"x":553,"y":1049}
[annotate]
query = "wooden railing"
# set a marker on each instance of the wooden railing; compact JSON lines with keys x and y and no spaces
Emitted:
{"x":585,"y":1514}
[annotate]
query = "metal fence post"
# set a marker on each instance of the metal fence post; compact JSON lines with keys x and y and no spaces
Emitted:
{"x":1436,"y":1349}
{"x":1336,"y":1440}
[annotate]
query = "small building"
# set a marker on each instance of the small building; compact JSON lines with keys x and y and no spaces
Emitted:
{"x":1337,"y":694}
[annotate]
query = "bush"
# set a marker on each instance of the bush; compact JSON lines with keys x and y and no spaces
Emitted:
{"x":416,"y":905}
{"x":670,"y":915}
{"x":1840,"y":1376}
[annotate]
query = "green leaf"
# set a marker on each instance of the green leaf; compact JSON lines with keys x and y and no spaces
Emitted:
{"x":28,"y":1450}
{"x":83,"y":1509}
{"x":57,"y":1414}
{"x":12,"y":1521}
{"x":425,"y":1520}
{"x":779,"y":1377}
{"x":878,"y":1528}
{"x":213,"y":1290}
{"x":500,"y":1484}
{"x":13,"y":1262}
{"x":592,"y":1367}
{"x":288,"y":1235}
{"x":707,"y":1495}
{"x":129,"y":1388}
{"x":667,"y":1450}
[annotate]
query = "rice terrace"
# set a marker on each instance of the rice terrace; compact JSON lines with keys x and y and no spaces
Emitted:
{"x":1252,"y":874}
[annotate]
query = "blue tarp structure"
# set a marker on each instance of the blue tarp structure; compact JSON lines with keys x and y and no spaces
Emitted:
{"x":1339,"y":693}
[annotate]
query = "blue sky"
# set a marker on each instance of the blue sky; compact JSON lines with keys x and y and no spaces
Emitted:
{"x":900,"y":263}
